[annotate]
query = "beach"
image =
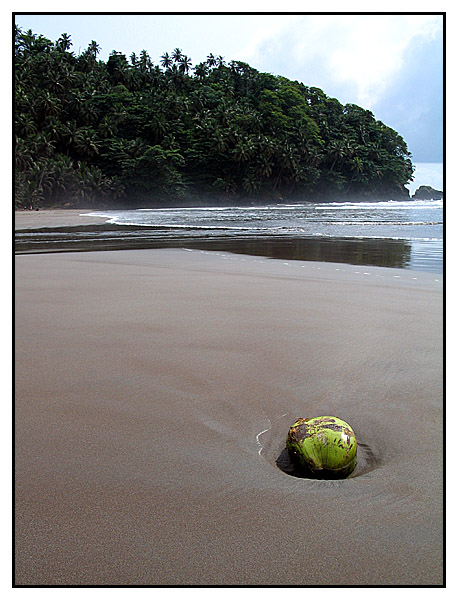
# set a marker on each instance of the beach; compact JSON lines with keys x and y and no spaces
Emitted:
{"x":154,"y":392}
{"x":35,"y":219}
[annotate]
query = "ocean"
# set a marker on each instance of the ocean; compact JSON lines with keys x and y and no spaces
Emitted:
{"x":402,"y":234}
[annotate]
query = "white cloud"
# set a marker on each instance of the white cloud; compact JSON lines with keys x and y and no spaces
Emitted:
{"x":358,"y":52}
{"x":265,"y":30}
{"x":373,"y":50}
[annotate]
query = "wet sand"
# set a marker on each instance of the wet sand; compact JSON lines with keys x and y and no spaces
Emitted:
{"x":154,"y":391}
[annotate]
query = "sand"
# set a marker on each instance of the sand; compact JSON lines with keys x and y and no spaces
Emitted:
{"x":154,"y":391}
{"x":34,"y":219}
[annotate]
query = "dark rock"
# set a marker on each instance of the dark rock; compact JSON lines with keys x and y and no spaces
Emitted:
{"x":426,"y":192}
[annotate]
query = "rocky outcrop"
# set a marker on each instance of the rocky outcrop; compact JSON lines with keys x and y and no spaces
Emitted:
{"x":426,"y":192}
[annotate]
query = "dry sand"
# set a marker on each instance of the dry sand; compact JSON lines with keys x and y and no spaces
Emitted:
{"x":154,"y":391}
{"x":34,"y":219}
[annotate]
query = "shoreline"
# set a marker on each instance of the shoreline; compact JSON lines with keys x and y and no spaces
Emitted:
{"x":154,"y":392}
{"x":35,"y":219}
{"x":73,"y":231}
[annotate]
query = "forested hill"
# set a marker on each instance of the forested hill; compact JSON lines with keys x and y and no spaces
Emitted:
{"x":127,"y":131}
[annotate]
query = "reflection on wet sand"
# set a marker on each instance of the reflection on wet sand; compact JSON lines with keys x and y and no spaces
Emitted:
{"x":357,"y":251}
{"x":384,"y":253}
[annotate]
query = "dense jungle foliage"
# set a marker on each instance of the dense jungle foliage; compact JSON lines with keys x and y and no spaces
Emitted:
{"x":130,"y":133}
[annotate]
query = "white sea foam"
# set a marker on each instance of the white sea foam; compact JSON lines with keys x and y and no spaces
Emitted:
{"x":388,"y":204}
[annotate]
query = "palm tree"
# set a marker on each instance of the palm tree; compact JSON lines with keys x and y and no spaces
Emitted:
{"x":23,"y":157}
{"x":201,"y":70}
{"x":86,"y":142}
{"x":267,"y":146}
{"x":156,"y":77}
{"x":158,"y":126}
{"x":177,"y":55}
{"x":118,"y":115}
{"x":264,"y":166}
{"x":25,"y":125}
{"x":336,"y":152}
{"x":211,"y":60}
{"x":74,"y":105}
{"x":18,"y":40}
{"x":49,"y":104}
{"x":176,"y":77}
{"x":145,"y":61}
{"x":117,"y":67}
{"x":93,"y":49}
{"x":28,"y":39}
{"x":136,"y":148}
{"x":107,"y":127}
{"x":64,"y":42}
{"x":166,"y":61}
{"x":69,"y":130}
{"x":117,"y":189}
{"x":219,"y":142}
{"x":45,"y":145}
{"x":55,"y":82}
{"x":34,"y":189}
{"x":348,"y":149}
{"x":286,"y":160}
{"x":185,"y":64}
{"x":227,"y":185}
{"x":244,"y":151}
{"x":357,"y":168}
{"x":54,"y":128}
{"x":61,"y":176}
{"x":250,"y":183}
{"x":224,"y":113}
{"x":89,"y":113}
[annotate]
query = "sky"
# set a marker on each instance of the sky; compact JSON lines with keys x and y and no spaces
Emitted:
{"x":391,"y":64}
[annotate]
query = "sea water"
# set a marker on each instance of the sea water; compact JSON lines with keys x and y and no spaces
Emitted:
{"x":404,"y":234}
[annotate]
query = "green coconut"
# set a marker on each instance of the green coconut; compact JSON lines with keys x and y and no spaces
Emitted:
{"x":322,"y":447}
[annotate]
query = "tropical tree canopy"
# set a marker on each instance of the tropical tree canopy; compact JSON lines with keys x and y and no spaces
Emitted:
{"x":132,"y":133}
